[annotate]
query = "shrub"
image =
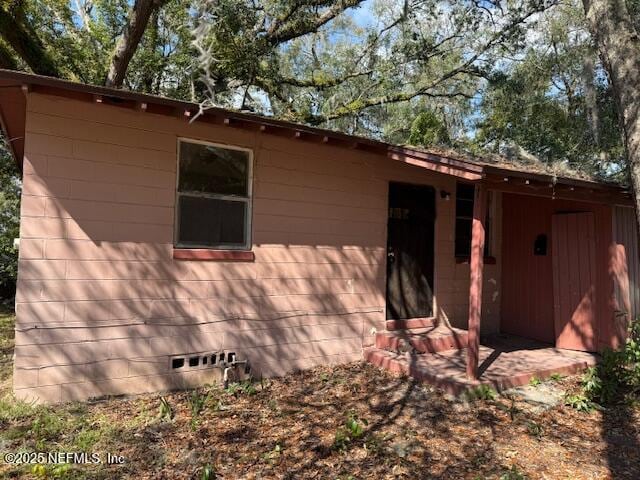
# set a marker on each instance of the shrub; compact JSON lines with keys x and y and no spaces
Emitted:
{"x":618,"y":374}
{"x":579,"y":402}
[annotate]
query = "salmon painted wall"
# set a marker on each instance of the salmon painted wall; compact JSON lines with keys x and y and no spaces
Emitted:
{"x":527,"y":291}
{"x":102,"y":305}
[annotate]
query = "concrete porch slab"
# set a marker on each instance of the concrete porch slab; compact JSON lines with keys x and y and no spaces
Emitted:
{"x":505,"y":362}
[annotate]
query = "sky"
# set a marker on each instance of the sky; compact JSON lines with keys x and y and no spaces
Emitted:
{"x":363,"y":15}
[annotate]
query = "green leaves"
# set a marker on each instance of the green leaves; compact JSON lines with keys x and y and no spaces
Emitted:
{"x":165,"y":412}
{"x":353,"y":429}
{"x":617,"y":375}
{"x":9,"y":220}
{"x":553,"y":99}
{"x":580,"y":403}
{"x":427,"y":129}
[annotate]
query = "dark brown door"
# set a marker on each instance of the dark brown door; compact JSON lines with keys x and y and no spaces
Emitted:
{"x":574,"y":281}
{"x":410,"y":240}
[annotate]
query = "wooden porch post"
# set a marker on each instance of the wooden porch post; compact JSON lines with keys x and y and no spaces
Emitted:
{"x":476,"y":264}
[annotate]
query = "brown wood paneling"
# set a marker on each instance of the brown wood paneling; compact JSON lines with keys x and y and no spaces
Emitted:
{"x":527,"y":292}
{"x":626,"y":270}
{"x":575,"y":280}
{"x":527,"y":296}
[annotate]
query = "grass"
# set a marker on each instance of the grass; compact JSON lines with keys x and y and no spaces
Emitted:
{"x":352,"y":421}
{"x":6,"y":348}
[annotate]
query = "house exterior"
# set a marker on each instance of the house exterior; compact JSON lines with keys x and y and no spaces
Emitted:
{"x":157,"y":245}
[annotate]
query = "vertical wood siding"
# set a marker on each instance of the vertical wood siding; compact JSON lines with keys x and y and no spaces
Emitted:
{"x":626,"y":265}
{"x":527,"y":286}
{"x":574,"y":281}
{"x":527,"y":289}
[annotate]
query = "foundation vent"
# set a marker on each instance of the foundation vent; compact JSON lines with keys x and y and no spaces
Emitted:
{"x":190,"y":361}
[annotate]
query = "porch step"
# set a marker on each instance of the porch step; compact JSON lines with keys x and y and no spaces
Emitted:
{"x":407,"y":364}
{"x":500,"y":369}
{"x":423,"y":340}
{"x":410,"y":323}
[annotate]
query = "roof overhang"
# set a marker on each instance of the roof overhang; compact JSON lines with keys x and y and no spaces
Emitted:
{"x":12,"y":118}
{"x":15,"y":85}
{"x":20,"y":82}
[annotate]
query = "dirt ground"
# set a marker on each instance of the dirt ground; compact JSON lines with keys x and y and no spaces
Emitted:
{"x":347,"y":422}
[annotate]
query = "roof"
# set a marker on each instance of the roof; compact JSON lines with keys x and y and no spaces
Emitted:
{"x":500,"y":172}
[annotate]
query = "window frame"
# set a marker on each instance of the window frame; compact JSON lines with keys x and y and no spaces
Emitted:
{"x":489,"y":220}
{"x":457,"y":217}
{"x":489,"y":215}
{"x":248,"y":200}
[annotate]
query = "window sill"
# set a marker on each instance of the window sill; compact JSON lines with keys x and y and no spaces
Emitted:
{"x":487,"y":260}
{"x":204,"y":254}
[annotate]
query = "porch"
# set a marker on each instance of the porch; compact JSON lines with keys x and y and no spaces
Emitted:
{"x":505,"y":361}
{"x":555,"y":294}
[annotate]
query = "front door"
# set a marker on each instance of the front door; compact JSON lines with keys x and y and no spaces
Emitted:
{"x":410,"y":251}
{"x":574,"y":280}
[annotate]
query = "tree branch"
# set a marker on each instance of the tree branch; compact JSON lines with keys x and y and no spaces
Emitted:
{"x":7,"y":60}
{"x":128,"y":42}
{"x":283,"y":32}
{"x":427,"y":90}
{"x":320,"y":83}
{"x":24,"y":40}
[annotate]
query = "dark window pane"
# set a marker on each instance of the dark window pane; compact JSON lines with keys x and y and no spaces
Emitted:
{"x":463,"y":238}
{"x":211,"y":222}
{"x":204,"y":168}
{"x":464,"y":208}
{"x":465,"y":190}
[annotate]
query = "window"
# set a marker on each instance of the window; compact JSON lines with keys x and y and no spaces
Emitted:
{"x":465,"y":195}
{"x":213,"y":205}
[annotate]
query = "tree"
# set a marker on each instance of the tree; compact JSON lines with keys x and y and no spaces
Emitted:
{"x":427,"y":130}
{"x":317,"y":62}
{"x":616,"y":33}
{"x":19,"y":33}
{"x":347,"y":76}
{"x":60,"y":38}
{"x":128,"y":42}
{"x":9,"y":221}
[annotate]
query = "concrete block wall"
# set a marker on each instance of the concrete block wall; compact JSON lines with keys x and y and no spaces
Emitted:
{"x":102,"y":305}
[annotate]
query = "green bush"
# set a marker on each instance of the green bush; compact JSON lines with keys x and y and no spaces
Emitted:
{"x":579,"y":402}
{"x":617,"y":376}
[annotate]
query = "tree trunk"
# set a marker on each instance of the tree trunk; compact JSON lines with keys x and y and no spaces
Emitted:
{"x":619,"y":46}
{"x":591,"y":99}
{"x":128,"y":42}
{"x":150,"y":71}
{"x":24,"y":40}
{"x":6,"y":58}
